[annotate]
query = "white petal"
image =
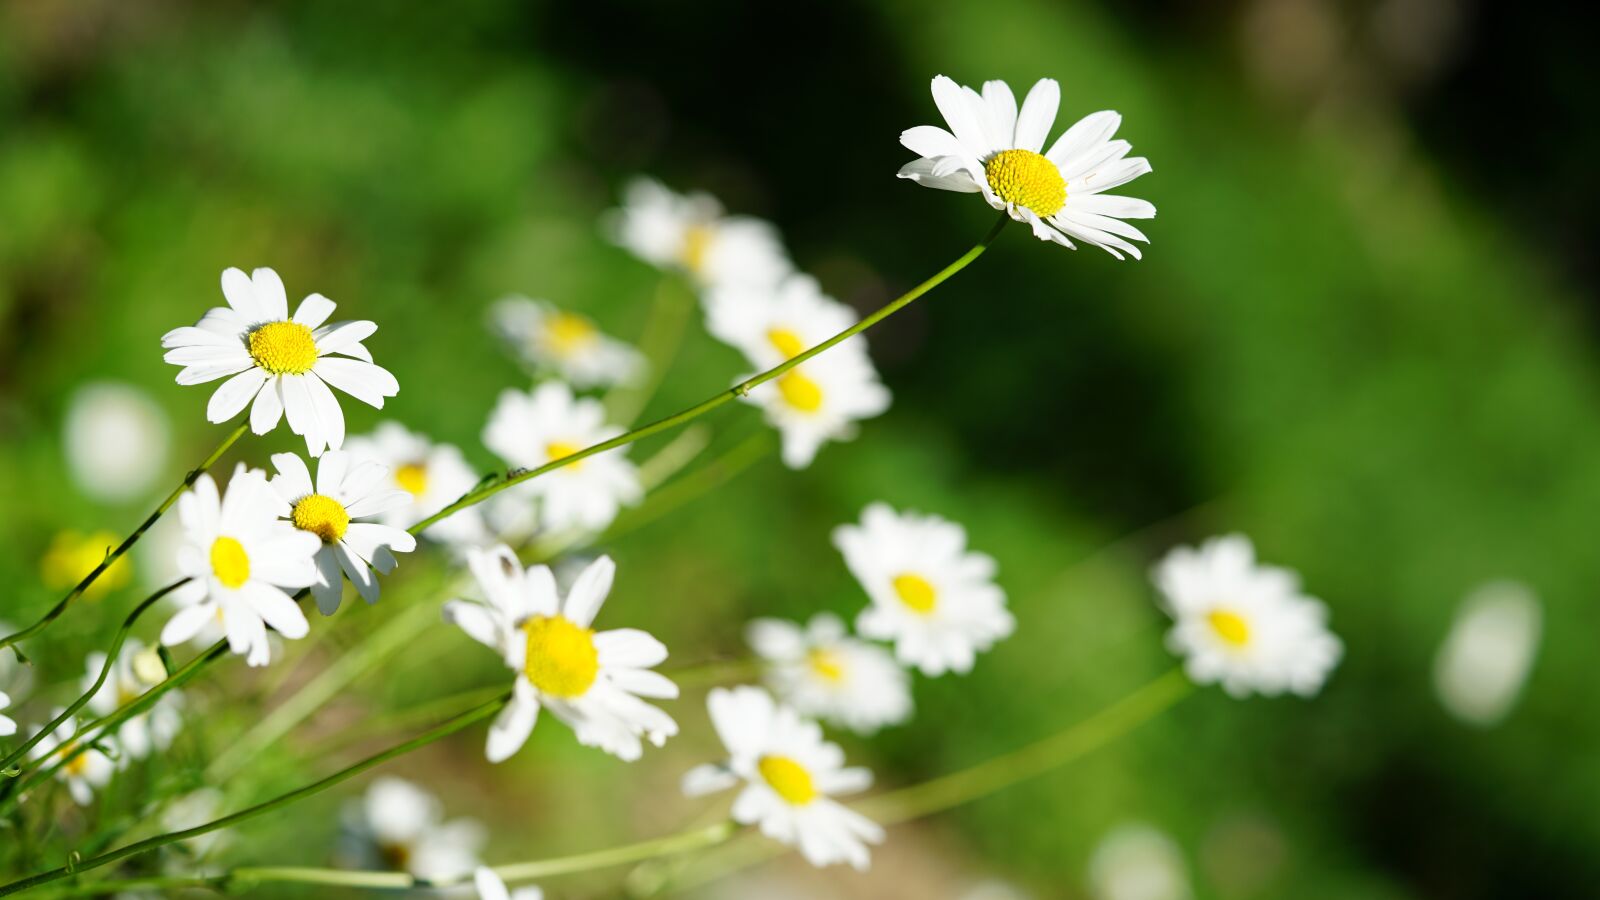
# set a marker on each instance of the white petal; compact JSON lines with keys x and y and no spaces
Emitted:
{"x":270,"y":294}
{"x":512,"y":727}
{"x":1038,"y":114}
{"x":234,"y":393}
{"x":314,"y":310}
{"x":361,"y":380}
{"x":590,"y":591}
{"x":268,"y":408}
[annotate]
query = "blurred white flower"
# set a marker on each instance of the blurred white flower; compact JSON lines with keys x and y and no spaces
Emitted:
{"x":347,"y":489}
{"x":934,"y":598}
{"x":566,"y":343}
{"x":1242,"y":624}
{"x":770,"y":324}
{"x":823,"y":672}
{"x":8,"y":725}
{"x":1486,"y":657}
{"x":239,"y":557}
{"x":405,"y":826}
{"x":818,"y":401}
{"x":434,"y":475}
{"x":592,"y":681}
{"x":283,"y":364}
{"x":1138,"y":862}
{"x":192,"y":810}
{"x":690,"y":234}
{"x":84,"y":772}
{"x":530,"y":429}
{"x":116,"y":440}
{"x":790,"y":777}
{"x":130,"y":677}
{"x":490,"y":887}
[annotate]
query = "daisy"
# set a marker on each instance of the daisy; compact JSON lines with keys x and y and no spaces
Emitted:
{"x":819,"y":401}
{"x":434,"y":475}
{"x":1486,"y":657}
{"x":1242,"y":624}
{"x":490,"y":887}
{"x":84,"y":772}
{"x":773,"y":324}
{"x":8,"y":725}
{"x":283,"y":364}
{"x":404,"y":827}
{"x":992,"y":149}
{"x":549,"y":339}
{"x":116,"y":440}
{"x":548,"y":423}
{"x":935,"y":599}
{"x":74,"y":554}
{"x":592,"y":681}
{"x":1138,"y":862}
{"x":130,"y":676}
{"x":239,"y":556}
{"x":790,"y":775}
{"x":345,"y":491}
{"x":690,"y":234}
{"x":823,"y":672}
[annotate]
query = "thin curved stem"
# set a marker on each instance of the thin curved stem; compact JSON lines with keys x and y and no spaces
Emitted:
{"x":114,"y":555}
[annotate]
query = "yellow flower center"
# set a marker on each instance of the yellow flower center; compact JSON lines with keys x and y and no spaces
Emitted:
{"x":786,"y":341}
{"x":558,"y":450}
{"x":562,"y":660}
{"x":568,"y":333}
{"x":413,"y":478}
{"x":916,"y":593}
{"x":229,"y":563}
{"x":75,"y":766}
{"x":696,"y":241}
{"x":826,"y":663}
{"x":1231,"y":627}
{"x":1027,"y":179}
{"x":283,"y":348}
{"x":321,"y":515}
{"x":789,"y":779}
{"x":73,"y":554}
{"x":800,"y":392}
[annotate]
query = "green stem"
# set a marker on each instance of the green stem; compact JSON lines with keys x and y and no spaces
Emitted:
{"x":671,"y":845}
{"x":511,"y":479}
{"x":114,"y":555}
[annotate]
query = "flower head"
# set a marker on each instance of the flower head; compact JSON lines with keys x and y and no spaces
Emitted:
{"x":403,"y":826}
{"x":692,"y":235}
{"x":1242,"y":624}
{"x":490,"y":887}
{"x":74,"y":554}
{"x":432,"y":475}
{"x":136,"y":670}
{"x":1138,"y":862}
{"x":790,"y":776}
{"x":992,"y":149}
{"x":1488,"y":653}
{"x":81,"y":772}
{"x":933,"y":597}
{"x":115,"y":439}
{"x":8,"y":725}
{"x":819,"y":401}
{"x":593,"y":681}
{"x":285,"y":365}
{"x":568,"y":344}
{"x":823,"y":672}
{"x":771,"y":324}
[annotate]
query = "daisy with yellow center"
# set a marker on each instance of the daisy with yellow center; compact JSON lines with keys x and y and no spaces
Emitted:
{"x":240,"y":559}
{"x":432,"y":475}
{"x":823,"y":672}
{"x":595,"y":681}
{"x":74,"y":554}
{"x":771,"y":324}
{"x":819,"y":401}
{"x":691,"y":234}
{"x":277,"y":365}
{"x":547,"y":339}
{"x":993,"y":149}
{"x":790,"y":776}
{"x":136,"y":670}
{"x":934,"y":598}
{"x":1244,"y":625}
{"x":83,"y":773}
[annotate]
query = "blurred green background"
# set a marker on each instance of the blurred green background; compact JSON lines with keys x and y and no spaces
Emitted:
{"x":1354,"y":338}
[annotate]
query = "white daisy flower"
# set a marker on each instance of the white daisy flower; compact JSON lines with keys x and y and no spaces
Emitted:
{"x":1242,"y":624}
{"x":819,"y":401}
{"x":404,"y":826}
{"x":345,"y":491}
{"x":283,"y":364}
{"x":136,"y":670}
{"x":434,"y":475}
{"x":83,"y":773}
{"x":690,"y":234}
{"x":8,"y":725}
{"x":1486,"y":657}
{"x":548,"y":423}
{"x":1138,"y":862}
{"x":791,"y":776}
{"x":570,"y":345}
{"x":772,"y":324}
{"x":116,"y":440}
{"x":490,"y":887}
{"x":592,"y":681}
{"x":992,"y":149}
{"x":935,"y":599}
{"x":239,"y":557}
{"x":823,"y":672}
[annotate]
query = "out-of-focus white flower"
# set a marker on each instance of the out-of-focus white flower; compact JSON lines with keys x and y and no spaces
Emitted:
{"x":819,"y":401}
{"x":992,"y":149}
{"x":790,"y":775}
{"x":283,"y":364}
{"x":405,"y":826}
{"x":490,"y":887}
{"x":83,"y":773}
{"x":1486,"y":657}
{"x":192,"y":810}
{"x":116,"y":440}
{"x":595,"y":682}
{"x":566,"y":343}
{"x":128,"y":680}
{"x":8,"y":725}
{"x":690,"y":234}
{"x":1242,"y":624}
{"x":823,"y":672}
{"x":435,"y":475}
{"x":1138,"y":862}
{"x":936,"y":599}
{"x":770,"y":324}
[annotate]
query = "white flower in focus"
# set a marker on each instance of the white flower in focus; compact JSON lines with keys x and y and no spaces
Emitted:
{"x":819,"y":401}
{"x":935,"y":599}
{"x":1138,"y":862}
{"x":592,"y":681}
{"x":530,"y":429}
{"x":772,"y":324}
{"x":490,"y":887}
{"x":1488,"y":653}
{"x":283,"y":364}
{"x":825,"y":673}
{"x":407,"y":828}
{"x":84,"y":772}
{"x":992,"y":149}
{"x":568,"y":344}
{"x":239,"y":557}
{"x":790,"y":776}
{"x":690,"y":234}
{"x":434,"y":475}
{"x":136,"y":670}
{"x":346,"y":490}
{"x":1242,"y":624}
{"x":116,"y":440}
{"x":8,"y":725}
